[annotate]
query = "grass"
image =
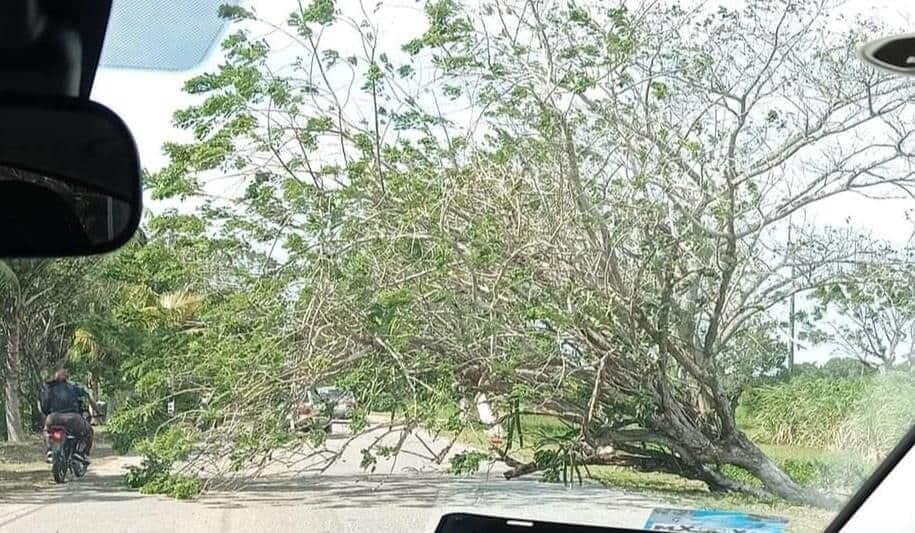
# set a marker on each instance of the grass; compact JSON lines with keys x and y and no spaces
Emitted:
{"x":787,"y":451}
{"x":533,"y":425}
{"x":680,"y":492}
{"x":805,"y":410}
{"x":860,"y":415}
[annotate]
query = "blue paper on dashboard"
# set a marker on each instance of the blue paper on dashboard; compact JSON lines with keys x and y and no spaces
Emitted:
{"x":710,"y":521}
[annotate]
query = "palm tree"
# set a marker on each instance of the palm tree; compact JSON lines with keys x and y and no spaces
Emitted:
{"x":12,"y":300}
{"x":38,"y":299}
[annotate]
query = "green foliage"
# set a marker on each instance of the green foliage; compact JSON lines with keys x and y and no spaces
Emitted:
{"x":131,"y":423}
{"x":446,"y":26}
{"x":154,"y":475}
{"x":876,"y":303}
{"x":558,"y":454}
{"x":178,"y":486}
{"x":319,"y":11}
{"x":235,"y":13}
{"x":837,"y":367}
{"x":754,"y":353}
{"x":369,"y":460}
{"x":804,"y":471}
{"x":149,"y":470}
{"x":45,"y":303}
{"x":467,"y":462}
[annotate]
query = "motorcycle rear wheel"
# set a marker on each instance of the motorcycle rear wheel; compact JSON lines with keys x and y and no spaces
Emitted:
{"x":59,"y":466}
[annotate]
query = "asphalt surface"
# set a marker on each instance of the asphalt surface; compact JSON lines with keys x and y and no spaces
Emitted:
{"x":406,"y":495}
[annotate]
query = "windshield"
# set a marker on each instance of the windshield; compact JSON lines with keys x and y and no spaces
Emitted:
{"x":602,"y":262}
{"x":329,"y":394}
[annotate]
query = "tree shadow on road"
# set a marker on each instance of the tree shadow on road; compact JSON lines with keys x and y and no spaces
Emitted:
{"x":94,"y":487}
{"x":355,"y":492}
{"x":414,"y":491}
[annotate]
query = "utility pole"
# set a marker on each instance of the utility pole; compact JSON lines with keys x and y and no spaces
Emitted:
{"x":791,"y":303}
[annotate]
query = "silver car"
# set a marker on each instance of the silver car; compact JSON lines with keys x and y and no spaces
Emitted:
{"x":323,"y":406}
{"x":340,"y":402}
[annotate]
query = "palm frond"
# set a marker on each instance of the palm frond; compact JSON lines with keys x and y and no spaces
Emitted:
{"x":85,"y":345}
{"x":184,"y":303}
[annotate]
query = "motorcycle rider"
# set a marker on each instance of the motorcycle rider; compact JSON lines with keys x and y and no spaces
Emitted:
{"x":61,"y":402}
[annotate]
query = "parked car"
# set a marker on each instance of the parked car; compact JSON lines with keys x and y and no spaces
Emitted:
{"x":342,"y":403}
{"x":322,"y":407}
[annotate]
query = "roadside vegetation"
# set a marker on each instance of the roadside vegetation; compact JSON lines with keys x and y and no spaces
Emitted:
{"x":811,"y":424}
{"x":574,"y":228}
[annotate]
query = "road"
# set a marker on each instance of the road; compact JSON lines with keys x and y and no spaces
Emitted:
{"x":408,"y":495}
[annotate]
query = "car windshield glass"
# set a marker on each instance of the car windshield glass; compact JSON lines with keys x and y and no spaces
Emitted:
{"x":607,"y":262}
{"x":329,"y":394}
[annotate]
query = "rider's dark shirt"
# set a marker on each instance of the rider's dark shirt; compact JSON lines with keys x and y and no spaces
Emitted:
{"x":67,"y":397}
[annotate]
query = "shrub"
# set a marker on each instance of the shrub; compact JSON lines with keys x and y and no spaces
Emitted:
{"x":154,"y":475}
{"x":844,"y":367}
{"x":807,"y":472}
{"x":880,"y":417}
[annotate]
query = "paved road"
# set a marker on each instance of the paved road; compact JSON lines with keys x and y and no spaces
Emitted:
{"x":407,"y":496}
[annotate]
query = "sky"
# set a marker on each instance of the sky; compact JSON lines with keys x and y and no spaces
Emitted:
{"x":146,"y":100}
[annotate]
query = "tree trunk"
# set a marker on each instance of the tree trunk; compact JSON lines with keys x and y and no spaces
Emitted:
{"x":704,"y":467}
{"x":747,"y":455}
{"x":702,"y":455}
{"x":12,"y":406}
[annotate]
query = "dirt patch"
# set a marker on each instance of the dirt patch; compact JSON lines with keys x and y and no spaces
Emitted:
{"x":22,"y":465}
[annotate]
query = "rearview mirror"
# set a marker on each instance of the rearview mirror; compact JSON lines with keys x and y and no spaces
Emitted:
{"x":894,"y":54}
{"x":69,"y":178}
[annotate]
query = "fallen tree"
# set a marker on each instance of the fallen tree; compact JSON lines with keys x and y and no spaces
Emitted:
{"x":604,"y":244}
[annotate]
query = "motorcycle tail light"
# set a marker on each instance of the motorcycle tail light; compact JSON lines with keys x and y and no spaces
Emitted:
{"x":56,"y":435}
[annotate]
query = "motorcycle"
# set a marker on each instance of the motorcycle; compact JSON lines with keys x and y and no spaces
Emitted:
{"x":63,"y":449}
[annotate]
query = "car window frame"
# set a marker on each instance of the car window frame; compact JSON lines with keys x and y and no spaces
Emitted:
{"x":873,"y":481}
